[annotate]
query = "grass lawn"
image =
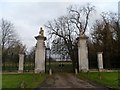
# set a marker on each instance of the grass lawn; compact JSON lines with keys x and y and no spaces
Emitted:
{"x":0,"y":81}
{"x":14,"y":80}
{"x":109,"y":79}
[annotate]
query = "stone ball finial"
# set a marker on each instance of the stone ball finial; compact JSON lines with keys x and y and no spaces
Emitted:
{"x":41,"y":31}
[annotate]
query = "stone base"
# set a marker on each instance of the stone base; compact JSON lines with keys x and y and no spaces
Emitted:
{"x":84,"y":70}
{"x":39,"y":71}
{"x":20,"y":71}
{"x":101,"y":70}
{"x":50,"y":72}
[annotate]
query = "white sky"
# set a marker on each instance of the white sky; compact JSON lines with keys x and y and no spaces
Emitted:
{"x":28,"y":15}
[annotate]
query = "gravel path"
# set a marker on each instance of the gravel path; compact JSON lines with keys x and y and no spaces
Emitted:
{"x":68,"y":81}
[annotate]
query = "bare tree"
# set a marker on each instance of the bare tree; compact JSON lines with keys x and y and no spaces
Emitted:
{"x":80,"y":17}
{"x":64,"y":29}
{"x":58,"y":47}
{"x":8,"y":33}
{"x":11,"y":45}
{"x":69,"y":27}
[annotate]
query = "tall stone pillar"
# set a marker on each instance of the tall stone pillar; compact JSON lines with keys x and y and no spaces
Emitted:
{"x":21,"y":63}
{"x":100,"y":61}
{"x":83,"y":54}
{"x":40,"y":53}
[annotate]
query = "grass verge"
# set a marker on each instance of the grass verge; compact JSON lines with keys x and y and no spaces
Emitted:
{"x":108,"y":79}
{"x":14,"y":80}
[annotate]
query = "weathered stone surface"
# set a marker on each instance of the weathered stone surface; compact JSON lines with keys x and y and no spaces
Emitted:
{"x":40,"y":54}
{"x":83,"y":54}
{"x":100,"y":61}
{"x":21,"y":63}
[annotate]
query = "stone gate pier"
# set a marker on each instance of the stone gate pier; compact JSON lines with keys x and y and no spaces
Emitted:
{"x":100,"y":61}
{"x":21,"y":63}
{"x":83,"y":54}
{"x":40,"y":52}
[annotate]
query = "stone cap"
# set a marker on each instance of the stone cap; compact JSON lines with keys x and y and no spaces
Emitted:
{"x":82,"y":37}
{"x":100,"y":52}
{"x":40,"y":37}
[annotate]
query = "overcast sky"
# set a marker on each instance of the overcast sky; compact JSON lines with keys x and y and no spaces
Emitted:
{"x":28,"y":15}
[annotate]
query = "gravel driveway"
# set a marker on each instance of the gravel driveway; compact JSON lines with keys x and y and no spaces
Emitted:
{"x":60,"y":81}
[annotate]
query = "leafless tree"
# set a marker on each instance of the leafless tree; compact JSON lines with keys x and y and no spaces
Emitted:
{"x":8,"y":33}
{"x":69,"y":27}
{"x":11,"y":45}
{"x":59,"y":47}
{"x":80,"y":17}
{"x":64,"y":29}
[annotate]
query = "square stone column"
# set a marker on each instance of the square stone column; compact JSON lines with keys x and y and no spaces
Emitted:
{"x":40,"y":54}
{"x":83,"y":54}
{"x":21,"y":63}
{"x":100,"y":61}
